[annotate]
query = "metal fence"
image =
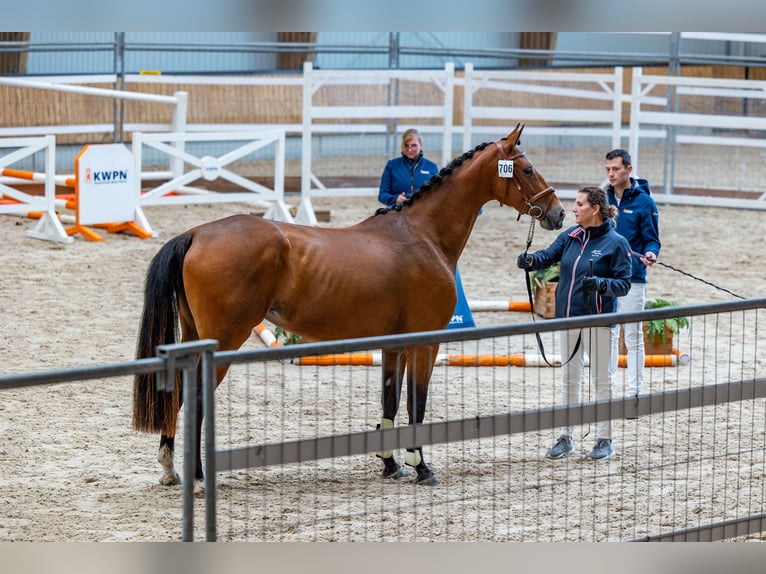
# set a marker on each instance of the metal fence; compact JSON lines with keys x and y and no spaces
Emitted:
{"x":690,"y":463}
{"x":293,"y":462}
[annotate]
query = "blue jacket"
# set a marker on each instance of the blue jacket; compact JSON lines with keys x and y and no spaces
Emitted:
{"x":576,"y":248}
{"x":638,"y":221}
{"x":404,"y":176}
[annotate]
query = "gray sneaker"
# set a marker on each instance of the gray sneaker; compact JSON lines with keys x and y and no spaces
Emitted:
{"x":563,"y":447}
{"x":602,"y":449}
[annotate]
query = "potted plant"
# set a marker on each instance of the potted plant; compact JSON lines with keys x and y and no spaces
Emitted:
{"x":544,"y":292}
{"x":284,"y":337}
{"x":658,"y":333}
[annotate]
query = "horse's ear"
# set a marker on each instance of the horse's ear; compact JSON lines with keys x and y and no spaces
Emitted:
{"x":517,"y":131}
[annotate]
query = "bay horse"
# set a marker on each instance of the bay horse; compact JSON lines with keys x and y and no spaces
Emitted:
{"x":222,"y":278}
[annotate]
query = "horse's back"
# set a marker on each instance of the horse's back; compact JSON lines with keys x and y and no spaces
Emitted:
{"x":322,"y":283}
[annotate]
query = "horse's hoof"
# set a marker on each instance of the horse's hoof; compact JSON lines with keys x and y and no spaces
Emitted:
{"x":392,"y":469}
{"x":427,"y":479}
{"x":170,"y":479}
{"x":199,"y":489}
{"x":395,"y":474}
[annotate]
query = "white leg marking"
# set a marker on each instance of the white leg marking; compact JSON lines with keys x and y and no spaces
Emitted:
{"x":169,"y":475}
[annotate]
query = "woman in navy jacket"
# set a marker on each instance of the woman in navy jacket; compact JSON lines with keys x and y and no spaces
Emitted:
{"x":595,"y":270}
{"x":404,"y":175}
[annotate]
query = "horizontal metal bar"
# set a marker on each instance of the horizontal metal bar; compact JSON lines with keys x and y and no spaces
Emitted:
{"x":712,"y":532}
{"x":152,"y":365}
{"x":484,"y":427}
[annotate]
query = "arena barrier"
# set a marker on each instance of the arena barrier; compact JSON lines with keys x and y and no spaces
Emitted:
{"x":675,"y":359}
{"x":589,"y":106}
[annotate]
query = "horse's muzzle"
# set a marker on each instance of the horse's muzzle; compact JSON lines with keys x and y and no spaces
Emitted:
{"x":554,"y":219}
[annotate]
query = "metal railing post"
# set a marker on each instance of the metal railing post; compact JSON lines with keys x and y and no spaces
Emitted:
{"x":207,"y":366}
{"x":187,"y":357}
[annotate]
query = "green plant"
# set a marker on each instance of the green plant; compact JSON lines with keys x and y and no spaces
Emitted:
{"x":545,"y":275}
{"x":658,"y":327}
{"x":287,"y":338}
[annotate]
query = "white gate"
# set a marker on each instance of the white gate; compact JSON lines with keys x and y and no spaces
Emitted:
{"x":21,"y":203}
{"x":209,"y":168}
{"x":703,"y":113}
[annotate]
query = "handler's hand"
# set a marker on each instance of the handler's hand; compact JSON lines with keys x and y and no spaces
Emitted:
{"x":594,"y":284}
{"x":525,"y":261}
{"x":649,"y":259}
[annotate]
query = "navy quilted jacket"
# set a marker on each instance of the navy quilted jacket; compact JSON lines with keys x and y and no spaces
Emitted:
{"x":576,"y":248}
{"x":638,"y":221}
{"x":404,"y":176}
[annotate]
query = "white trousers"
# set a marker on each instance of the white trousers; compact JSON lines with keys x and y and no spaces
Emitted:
{"x":598,"y":343}
{"x":634,"y":339}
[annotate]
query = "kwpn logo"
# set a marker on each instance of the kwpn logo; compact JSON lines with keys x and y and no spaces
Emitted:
{"x":106,"y":176}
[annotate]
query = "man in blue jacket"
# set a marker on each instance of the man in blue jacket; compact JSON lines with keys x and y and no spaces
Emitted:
{"x":402,"y":177}
{"x":638,"y":222}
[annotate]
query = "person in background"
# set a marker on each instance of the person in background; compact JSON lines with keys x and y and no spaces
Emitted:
{"x":404,"y":175}
{"x":595,"y":271}
{"x":401,"y":178}
{"x":638,"y":222}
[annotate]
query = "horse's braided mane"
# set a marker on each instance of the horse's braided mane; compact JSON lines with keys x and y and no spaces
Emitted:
{"x":435,"y":180}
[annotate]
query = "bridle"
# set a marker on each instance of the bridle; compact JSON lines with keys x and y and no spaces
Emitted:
{"x":534,"y":211}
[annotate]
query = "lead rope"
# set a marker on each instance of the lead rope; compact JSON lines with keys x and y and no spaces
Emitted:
{"x":682,"y":272}
{"x":530,"y":236}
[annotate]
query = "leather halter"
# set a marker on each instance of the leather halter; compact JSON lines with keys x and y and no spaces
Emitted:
{"x":529,"y":207}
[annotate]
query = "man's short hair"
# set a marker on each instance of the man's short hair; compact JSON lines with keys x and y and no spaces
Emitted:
{"x":619,"y":152}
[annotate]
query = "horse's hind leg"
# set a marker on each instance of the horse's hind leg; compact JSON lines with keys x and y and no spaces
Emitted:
{"x":419,"y":372}
{"x":170,"y":476}
{"x":165,"y":458}
{"x":393,"y":373}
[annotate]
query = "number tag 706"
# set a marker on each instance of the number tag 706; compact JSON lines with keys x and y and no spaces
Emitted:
{"x":505,"y":168}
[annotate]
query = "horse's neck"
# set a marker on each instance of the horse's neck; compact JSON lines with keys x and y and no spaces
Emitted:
{"x":447,"y":214}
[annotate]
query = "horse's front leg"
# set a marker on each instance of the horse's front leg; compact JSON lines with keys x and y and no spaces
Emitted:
{"x":393,"y":373}
{"x":199,"y":478}
{"x":418,"y":376}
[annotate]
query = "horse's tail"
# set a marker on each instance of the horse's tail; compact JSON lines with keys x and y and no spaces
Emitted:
{"x":153,"y":411}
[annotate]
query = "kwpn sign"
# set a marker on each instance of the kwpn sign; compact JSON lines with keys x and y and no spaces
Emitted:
{"x":106,"y":192}
{"x":105,"y":187}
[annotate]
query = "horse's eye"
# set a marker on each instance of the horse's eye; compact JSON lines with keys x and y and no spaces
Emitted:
{"x":528,"y":170}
